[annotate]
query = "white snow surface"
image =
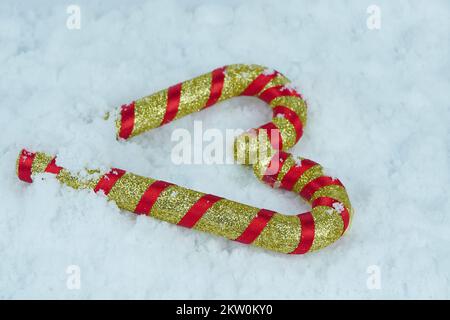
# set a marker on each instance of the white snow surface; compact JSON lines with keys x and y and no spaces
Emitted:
{"x":378,"y":117}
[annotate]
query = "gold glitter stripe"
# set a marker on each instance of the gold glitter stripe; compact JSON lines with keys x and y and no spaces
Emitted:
{"x":328,"y":227}
{"x":40,"y":163}
{"x":194,"y":95}
{"x":68,"y":179}
{"x":149,"y":112}
{"x":309,"y":175}
{"x":117,"y":122}
{"x":252,"y":148}
{"x":227,"y":218}
{"x":263,"y":159}
{"x":294,"y":103}
{"x":287,"y":130}
{"x":282,"y":234}
{"x":78,"y":182}
{"x":173,"y":203}
{"x":128,"y":190}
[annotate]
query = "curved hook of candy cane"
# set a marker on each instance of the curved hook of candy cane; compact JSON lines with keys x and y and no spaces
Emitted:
{"x":162,"y":107}
{"x":294,"y":234}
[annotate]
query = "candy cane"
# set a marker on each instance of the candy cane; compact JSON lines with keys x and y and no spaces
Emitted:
{"x":331,"y":210}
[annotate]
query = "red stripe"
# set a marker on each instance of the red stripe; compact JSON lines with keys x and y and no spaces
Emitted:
{"x":150,"y":196}
{"x":52,"y":167}
{"x":328,"y":202}
{"x":127,"y":120}
{"x":107,"y":182}
{"x":345,"y":218}
{"x":275,"y":138}
{"x":292,"y":117}
{"x":25,"y":163}
{"x":294,"y":173}
{"x":173,"y":102}
{"x":258,"y":84}
{"x":307,"y":233}
{"x":256,"y":226}
{"x":218,"y":77}
{"x":311,"y":187}
{"x":278,"y":91}
{"x":198,"y":210}
{"x":274,"y":167}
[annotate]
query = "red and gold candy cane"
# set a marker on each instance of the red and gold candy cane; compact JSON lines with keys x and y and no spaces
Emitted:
{"x":296,"y":234}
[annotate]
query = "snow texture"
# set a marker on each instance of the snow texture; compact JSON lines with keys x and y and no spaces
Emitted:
{"x":378,"y":117}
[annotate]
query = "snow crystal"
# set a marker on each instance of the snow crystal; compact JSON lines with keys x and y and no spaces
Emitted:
{"x":245,"y":76}
{"x":339,"y":207}
{"x":290,"y":87}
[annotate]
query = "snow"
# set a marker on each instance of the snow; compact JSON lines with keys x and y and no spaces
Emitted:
{"x":378,"y":116}
{"x":339,"y":207}
{"x":268,"y":72}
